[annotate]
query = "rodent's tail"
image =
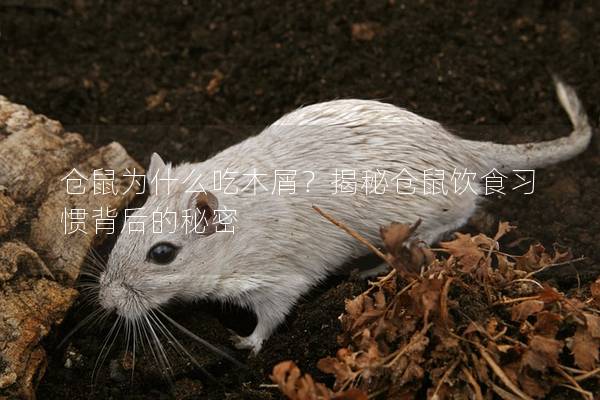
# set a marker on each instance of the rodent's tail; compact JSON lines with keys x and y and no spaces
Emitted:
{"x":506,"y":158}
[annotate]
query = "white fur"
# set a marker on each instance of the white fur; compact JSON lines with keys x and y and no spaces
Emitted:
{"x":282,"y":247}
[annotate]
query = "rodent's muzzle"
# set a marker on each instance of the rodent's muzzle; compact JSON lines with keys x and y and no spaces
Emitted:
{"x":114,"y":297}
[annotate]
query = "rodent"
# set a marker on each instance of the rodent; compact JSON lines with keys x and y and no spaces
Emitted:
{"x":281,"y":247}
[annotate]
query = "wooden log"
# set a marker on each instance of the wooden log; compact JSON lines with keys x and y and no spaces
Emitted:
{"x":39,"y":262}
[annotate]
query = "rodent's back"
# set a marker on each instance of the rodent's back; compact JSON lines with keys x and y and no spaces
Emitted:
{"x":365,"y":135}
{"x":350,"y":135}
{"x":353,"y":134}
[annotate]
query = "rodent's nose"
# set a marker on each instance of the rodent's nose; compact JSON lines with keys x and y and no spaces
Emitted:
{"x":111,"y":295}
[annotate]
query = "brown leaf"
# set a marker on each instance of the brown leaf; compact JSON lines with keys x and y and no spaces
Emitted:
{"x":413,"y":372}
{"x":595,"y":290}
{"x":503,"y":229}
{"x":543,"y":352}
{"x":366,"y":316}
{"x":286,"y":375}
{"x":465,"y":249}
{"x":548,"y":323}
{"x":395,"y":235}
{"x":585,"y":349}
{"x":505,"y":266}
{"x":533,"y":386}
{"x":296,"y":386}
{"x":355,"y":306}
{"x":522,"y":311}
{"x":550,"y":295}
{"x":334,"y":366}
{"x":426,"y":297}
{"x":530,"y":260}
{"x":593,"y":324}
{"x":406,"y":256}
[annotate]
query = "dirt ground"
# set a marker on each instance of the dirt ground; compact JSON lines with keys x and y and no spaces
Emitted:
{"x":189,"y":78}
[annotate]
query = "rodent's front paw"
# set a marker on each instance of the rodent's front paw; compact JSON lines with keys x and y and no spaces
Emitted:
{"x":246,"y":343}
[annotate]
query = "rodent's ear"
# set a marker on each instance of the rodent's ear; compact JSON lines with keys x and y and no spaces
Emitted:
{"x":157,"y":166}
{"x":206,"y":205}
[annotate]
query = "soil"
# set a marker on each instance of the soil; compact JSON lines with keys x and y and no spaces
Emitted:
{"x":190,"y":78}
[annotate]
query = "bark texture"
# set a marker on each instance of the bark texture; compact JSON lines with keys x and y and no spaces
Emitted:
{"x":39,"y":262}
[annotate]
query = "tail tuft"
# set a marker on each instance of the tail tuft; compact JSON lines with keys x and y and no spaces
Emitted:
{"x":541,"y":154}
{"x":572,"y":105}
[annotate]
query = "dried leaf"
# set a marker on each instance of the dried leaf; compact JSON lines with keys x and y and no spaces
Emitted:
{"x":503,"y":229}
{"x":550,"y":295}
{"x":533,"y":386}
{"x":331,"y":365}
{"x":531,"y":260}
{"x":522,"y":311}
{"x":296,"y":386}
{"x":595,"y":290}
{"x":405,"y":256}
{"x":543,"y":352}
{"x":466,"y":250}
{"x":585,"y":349}
{"x":400,"y":340}
{"x":395,"y":236}
{"x":548,"y":323}
{"x":593,"y":324}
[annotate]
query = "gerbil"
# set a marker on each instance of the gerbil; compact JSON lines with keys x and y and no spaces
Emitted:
{"x":281,"y":247}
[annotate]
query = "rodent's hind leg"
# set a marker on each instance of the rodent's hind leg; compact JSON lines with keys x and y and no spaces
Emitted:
{"x":270,"y":313}
{"x":246,"y":343}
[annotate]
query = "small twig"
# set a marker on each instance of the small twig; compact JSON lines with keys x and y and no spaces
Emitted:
{"x":383,"y":280}
{"x":504,"y":394}
{"x":460,"y":338}
{"x":573,"y":370}
{"x":500,"y":334}
{"x":584,"y":393}
{"x":444,"y":301}
{"x":500,"y":373}
{"x":354,"y":234}
{"x":537,"y":271}
{"x":406,"y":348}
{"x":405,"y":288}
{"x":376,"y":394}
{"x":587,"y":375}
{"x":510,"y":301}
{"x":525,"y":280}
{"x":472,"y":382}
{"x":444,"y":377}
{"x":575,"y":386}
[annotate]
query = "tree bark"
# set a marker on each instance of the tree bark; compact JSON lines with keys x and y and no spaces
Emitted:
{"x":39,"y":261}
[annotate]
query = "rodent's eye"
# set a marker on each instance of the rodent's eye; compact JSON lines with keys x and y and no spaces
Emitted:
{"x":162,"y":253}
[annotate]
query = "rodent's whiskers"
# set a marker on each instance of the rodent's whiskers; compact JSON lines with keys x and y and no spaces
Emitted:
{"x":89,"y":289}
{"x":176,"y":343}
{"x":146,"y":329}
{"x":163,"y":359}
{"x":201,"y":341}
{"x":94,"y":262}
{"x":85,"y":321}
{"x":111,"y":337}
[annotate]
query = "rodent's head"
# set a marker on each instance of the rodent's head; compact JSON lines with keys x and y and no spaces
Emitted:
{"x":148,"y":268}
